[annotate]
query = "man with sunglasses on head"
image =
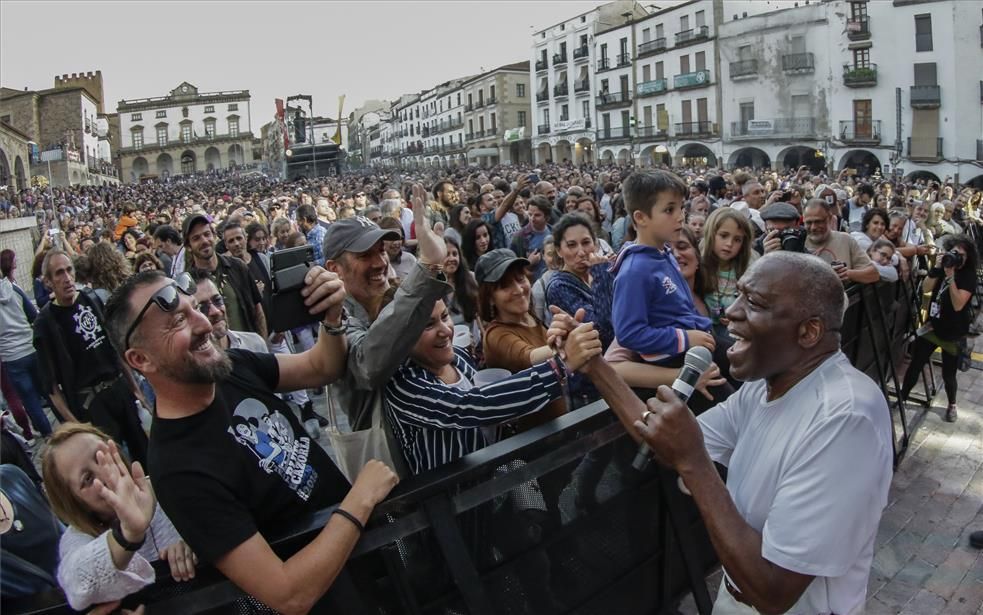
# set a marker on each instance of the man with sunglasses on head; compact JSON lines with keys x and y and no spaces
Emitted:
{"x":78,"y":368}
{"x":230,"y":461}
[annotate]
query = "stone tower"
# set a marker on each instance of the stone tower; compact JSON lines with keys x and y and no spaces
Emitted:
{"x":92,"y":82}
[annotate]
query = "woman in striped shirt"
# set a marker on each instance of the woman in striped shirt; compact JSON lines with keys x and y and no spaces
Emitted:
{"x":435,"y":409}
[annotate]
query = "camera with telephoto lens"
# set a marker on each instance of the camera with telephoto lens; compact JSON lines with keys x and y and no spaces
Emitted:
{"x":793,"y":239}
{"x":952,"y":259}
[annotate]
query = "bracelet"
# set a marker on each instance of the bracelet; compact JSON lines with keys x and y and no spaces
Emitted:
{"x":347,"y":515}
{"x":117,"y":532}
{"x":333,"y":329}
{"x":432,"y":267}
{"x":559,"y":369}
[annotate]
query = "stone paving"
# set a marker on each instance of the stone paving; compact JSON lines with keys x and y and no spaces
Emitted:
{"x":923,"y":564}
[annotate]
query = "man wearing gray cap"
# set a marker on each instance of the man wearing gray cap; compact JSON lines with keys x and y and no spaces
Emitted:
{"x":380,"y":339}
{"x":777,"y":218}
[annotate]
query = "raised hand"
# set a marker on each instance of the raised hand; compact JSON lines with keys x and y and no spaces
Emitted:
{"x":130,"y":495}
{"x":432,"y":249}
{"x":325,"y":292}
{"x":561,"y":326}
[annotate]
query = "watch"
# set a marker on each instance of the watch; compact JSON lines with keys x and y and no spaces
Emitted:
{"x":123,"y":542}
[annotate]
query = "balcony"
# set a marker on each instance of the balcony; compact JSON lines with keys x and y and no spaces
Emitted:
{"x":490,"y":101}
{"x":924,"y":150}
{"x":696,"y":129}
{"x":926,"y":97}
{"x":650,"y":88}
{"x":624,"y":59}
{"x":582,"y":86}
{"x":469,"y":107}
{"x":799,"y":62}
{"x":651,"y":133}
{"x":743,"y":69}
{"x":559,"y":58}
{"x":479,"y":104}
{"x":652,"y":47}
{"x":613,"y":134}
{"x":604,"y":64}
{"x":698,"y":79}
{"x":689,"y":37}
{"x":561,"y":89}
{"x":543,"y":129}
{"x":581,"y":53}
{"x":542,"y":96}
{"x":479,"y":134}
{"x":541,"y":65}
{"x":861,"y":133}
{"x":611,"y":100}
{"x":858,"y":29}
{"x":859,"y":76}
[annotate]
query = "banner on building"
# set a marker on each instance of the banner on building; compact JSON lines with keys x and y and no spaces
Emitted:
{"x":337,"y":135}
{"x":515,"y":134}
{"x":760,"y":127}
{"x":565,"y":125}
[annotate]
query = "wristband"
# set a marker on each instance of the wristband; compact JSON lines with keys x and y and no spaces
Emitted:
{"x":347,"y":515}
{"x":333,"y":330}
{"x":117,"y":532}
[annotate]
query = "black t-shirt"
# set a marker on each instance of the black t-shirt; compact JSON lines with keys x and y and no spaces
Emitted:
{"x":243,"y":464}
{"x":86,"y":341}
{"x":950,"y":324}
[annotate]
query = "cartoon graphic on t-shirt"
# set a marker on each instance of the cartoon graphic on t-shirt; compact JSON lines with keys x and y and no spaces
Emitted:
{"x":271,"y":438}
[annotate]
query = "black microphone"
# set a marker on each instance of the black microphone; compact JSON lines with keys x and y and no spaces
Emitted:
{"x":698,"y":360}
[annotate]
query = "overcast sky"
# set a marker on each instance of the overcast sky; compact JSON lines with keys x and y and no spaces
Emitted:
{"x":364,"y":50}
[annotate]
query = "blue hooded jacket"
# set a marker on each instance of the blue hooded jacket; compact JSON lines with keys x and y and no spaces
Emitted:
{"x":653,"y":307}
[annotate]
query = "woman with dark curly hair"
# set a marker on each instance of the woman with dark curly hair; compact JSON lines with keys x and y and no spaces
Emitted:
{"x":103,"y":267}
{"x":952,"y":283}
{"x":145,"y":261}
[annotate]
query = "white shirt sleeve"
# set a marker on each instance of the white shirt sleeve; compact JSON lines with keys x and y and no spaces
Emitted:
{"x":88,"y":576}
{"x":835,"y":487}
{"x":720,"y":428}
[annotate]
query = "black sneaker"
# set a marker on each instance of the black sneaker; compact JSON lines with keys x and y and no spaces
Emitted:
{"x":307,"y":413}
{"x":950,"y":414}
{"x":976,"y":539}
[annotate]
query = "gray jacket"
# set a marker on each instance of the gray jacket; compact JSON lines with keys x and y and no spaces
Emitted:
{"x":377,"y":349}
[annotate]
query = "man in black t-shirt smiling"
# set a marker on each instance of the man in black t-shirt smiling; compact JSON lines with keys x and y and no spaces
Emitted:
{"x":229,"y":460}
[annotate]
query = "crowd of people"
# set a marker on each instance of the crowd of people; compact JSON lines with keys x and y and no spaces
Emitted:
{"x":447,"y":309}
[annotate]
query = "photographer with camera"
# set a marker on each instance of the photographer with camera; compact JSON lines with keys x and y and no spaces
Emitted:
{"x":952,"y":283}
{"x":836,"y":248}
{"x":782,"y":230}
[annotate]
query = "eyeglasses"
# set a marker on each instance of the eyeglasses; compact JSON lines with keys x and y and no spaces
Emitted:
{"x":206,"y":306}
{"x":166,"y":298}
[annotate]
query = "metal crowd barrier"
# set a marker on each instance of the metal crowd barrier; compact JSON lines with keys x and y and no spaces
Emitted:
{"x":480,"y":535}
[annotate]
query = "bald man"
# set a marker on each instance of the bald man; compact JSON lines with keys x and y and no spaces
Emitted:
{"x":807,"y":444}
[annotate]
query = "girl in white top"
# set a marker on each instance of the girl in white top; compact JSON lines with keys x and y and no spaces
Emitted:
{"x":115,"y":526}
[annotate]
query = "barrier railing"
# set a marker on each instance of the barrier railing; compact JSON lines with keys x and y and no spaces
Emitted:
{"x":511,"y":527}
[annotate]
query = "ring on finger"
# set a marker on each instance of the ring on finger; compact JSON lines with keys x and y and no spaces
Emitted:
{"x":646,"y":415}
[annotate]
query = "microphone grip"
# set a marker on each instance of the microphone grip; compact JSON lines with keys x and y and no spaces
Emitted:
{"x":644,"y":455}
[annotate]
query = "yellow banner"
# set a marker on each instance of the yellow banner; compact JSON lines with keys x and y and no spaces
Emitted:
{"x":337,"y":134}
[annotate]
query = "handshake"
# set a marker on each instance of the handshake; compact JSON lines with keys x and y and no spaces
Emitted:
{"x":577,"y":342}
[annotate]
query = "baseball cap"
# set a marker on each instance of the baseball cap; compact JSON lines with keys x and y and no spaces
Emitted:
{"x":780,"y":211}
{"x":356,"y":235}
{"x":190,"y":222}
{"x":491,"y":266}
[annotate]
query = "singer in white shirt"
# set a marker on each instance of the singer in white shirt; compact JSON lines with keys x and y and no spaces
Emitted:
{"x":807,"y":443}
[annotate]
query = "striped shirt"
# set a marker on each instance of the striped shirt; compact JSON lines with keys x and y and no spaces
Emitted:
{"x":436,"y":423}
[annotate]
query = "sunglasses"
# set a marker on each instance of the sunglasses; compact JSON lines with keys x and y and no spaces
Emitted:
{"x":206,"y":306}
{"x":166,"y":298}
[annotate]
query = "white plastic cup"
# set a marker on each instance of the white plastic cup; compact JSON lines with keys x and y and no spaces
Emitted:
{"x":490,"y":376}
{"x":462,"y":336}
